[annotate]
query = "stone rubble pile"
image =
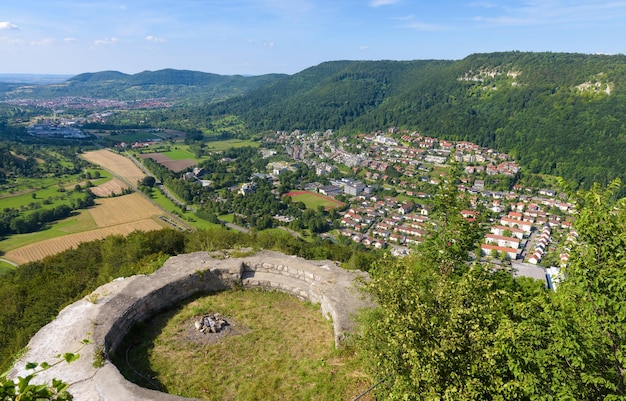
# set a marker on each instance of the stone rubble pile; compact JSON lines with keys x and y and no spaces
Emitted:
{"x":212,"y":323}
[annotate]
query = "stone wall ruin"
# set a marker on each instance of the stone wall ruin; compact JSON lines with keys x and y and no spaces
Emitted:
{"x":107,"y":315}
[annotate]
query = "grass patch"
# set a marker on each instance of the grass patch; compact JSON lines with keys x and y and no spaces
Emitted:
{"x":313,"y":200}
{"x":160,"y":199}
{"x":226,"y":217}
{"x":188,"y":217}
{"x":180,"y":153}
{"x":45,"y":197}
{"x":199,"y":223}
{"x":275,"y":347}
{"x":5,"y":268}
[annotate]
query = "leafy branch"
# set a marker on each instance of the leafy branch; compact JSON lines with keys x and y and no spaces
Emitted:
{"x":22,"y":389}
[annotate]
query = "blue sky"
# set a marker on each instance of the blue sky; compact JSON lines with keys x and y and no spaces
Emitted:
{"x":286,"y":36}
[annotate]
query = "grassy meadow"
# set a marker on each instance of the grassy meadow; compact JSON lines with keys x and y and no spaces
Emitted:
{"x":275,"y":347}
{"x":179,"y":152}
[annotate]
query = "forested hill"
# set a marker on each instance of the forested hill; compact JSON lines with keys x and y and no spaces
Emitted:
{"x":557,"y":113}
{"x":191,"y":87}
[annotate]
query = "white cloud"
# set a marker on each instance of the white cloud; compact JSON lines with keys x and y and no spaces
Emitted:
{"x":111,"y":41}
{"x":269,"y":44}
{"x":69,"y":40}
{"x":378,"y":3}
{"x":154,"y":39}
{"x":6,"y":25}
{"x":363,"y":48}
{"x":10,"y":41}
{"x":43,"y":42}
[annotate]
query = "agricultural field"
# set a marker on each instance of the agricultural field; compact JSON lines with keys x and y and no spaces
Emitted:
{"x":26,"y":186}
{"x":117,"y":164}
{"x":176,"y":165}
{"x":110,"y":188}
{"x":313,"y":200}
{"x":119,"y":215}
{"x":179,"y":153}
{"x":45,"y":196}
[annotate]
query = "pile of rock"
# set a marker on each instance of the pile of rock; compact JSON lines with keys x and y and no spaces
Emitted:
{"x":212,"y":323}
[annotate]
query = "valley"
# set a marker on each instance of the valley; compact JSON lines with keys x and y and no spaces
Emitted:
{"x":483,"y":197}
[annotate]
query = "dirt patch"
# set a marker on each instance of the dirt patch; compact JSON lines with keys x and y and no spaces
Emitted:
{"x":179,"y":165}
{"x":157,"y":157}
{"x":191,"y":334}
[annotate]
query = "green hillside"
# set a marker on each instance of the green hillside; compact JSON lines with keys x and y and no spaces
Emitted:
{"x":561,"y":114}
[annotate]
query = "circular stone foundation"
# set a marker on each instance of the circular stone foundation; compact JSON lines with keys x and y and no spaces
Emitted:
{"x":107,"y":315}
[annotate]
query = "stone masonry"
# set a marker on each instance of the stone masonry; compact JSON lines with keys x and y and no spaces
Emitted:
{"x":107,"y":315}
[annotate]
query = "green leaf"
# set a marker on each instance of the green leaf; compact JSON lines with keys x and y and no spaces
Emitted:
{"x":70,"y":357}
{"x":31,"y":365}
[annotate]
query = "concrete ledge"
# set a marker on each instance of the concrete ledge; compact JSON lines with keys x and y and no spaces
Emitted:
{"x":110,"y":312}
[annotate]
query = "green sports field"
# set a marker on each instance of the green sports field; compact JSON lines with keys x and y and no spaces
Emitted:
{"x":313,"y":200}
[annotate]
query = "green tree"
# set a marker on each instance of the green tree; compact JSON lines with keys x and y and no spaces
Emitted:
{"x":445,"y":329}
{"x":434,"y":332}
{"x":592,"y":294}
{"x":148,"y":181}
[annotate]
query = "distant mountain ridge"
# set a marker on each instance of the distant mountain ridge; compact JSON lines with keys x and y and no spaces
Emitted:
{"x":175,"y":85}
